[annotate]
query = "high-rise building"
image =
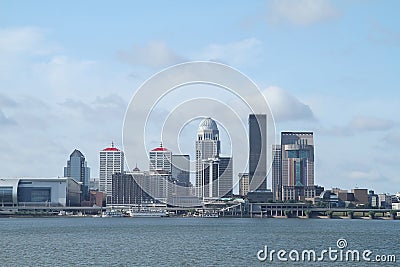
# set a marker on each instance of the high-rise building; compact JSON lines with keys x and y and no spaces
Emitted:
{"x":207,"y":147}
{"x":160,"y":160}
{"x":258,"y":152}
{"x":243,"y":184}
{"x":111,"y":161}
{"x":297,"y":165}
{"x":78,"y":170}
{"x":276,"y":172}
{"x":126,"y":190}
{"x":225,"y":176}
{"x":214,"y":174}
{"x":160,"y":167}
{"x":181,"y":169}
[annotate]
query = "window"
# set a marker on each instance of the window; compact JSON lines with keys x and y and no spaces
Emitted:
{"x":6,"y":194}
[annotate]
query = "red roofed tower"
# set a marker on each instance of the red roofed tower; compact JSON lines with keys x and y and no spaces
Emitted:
{"x":111,"y":161}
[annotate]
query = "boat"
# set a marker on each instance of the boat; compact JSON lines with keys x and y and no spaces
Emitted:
{"x":148,"y":214}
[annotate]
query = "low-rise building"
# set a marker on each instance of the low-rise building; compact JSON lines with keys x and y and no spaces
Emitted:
{"x":40,"y":192}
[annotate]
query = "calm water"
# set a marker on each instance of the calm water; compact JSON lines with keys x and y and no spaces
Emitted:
{"x":183,"y":241}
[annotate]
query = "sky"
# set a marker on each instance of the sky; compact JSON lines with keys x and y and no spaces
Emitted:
{"x":68,"y":70}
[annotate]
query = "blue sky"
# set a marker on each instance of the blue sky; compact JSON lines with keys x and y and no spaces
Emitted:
{"x":68,"y":70}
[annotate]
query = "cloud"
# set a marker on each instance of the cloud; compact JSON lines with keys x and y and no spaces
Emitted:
{"x":153,"y":55}
{"x":4,"y":120}
{"x":235,"y":53}
{"x":286,"y":107}
{"x":369,"y":124}
{"x":383,"y":35}
{"x":369,"y":175}
{"x":360,"y":124}
{"x":6,"y":101}
{"x":300,"y":12}
{"x":392,"y":138}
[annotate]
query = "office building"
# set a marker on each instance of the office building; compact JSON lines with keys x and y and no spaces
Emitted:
{"x":181,"y":169}
{"x":160,"y":160}
{"x":126,"y":190}
{"x":77,"y":169}
{"x":243,"y":184}
{"x":207,"y":147}
{"x":297,"y":166}
{"x":276,"y":172}
{"x":111,"y":161}
{"x":257,"y":152}
{"x":214,"y":173}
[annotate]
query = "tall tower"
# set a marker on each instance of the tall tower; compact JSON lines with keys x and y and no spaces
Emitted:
{"x":297,"y":164}
{"x":160,"y":160}
{"x":207,"y":148}
{"x":258,"y":152}
{"x":276,"y":172}
{"x":111,"y":161}
{"x":78,"y":170}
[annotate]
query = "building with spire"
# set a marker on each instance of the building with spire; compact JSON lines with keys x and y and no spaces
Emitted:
{"x":214,"y":175}
{"x":111,"y":162}
{"x":78,"y":170}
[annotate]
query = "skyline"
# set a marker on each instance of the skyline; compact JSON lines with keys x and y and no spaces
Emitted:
{"x":67,"y":80}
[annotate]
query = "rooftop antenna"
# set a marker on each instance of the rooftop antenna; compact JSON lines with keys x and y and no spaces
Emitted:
{"x":112,"y":143}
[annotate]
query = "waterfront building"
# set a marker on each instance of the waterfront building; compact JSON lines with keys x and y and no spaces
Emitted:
{"x":48,"y":192}
{"x":297,"y":166}
{"x":207,"y":147}
{"x":111,"y":161}
{"x":77,"y":169}
{"x":214,"y":173}
{"x":181,"y":169}
{"x":384,"y":201}
{"x":276,"y":172}
{"x":243,"y":184}
{"x":360,"y":197}
{"x":257,"y":152}
{"x":160,"y":160}
{"x":126,"y":190}
{"x":373,"y":199}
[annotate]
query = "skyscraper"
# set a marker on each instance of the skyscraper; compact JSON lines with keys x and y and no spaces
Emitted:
{"x":181,"y":169}
{"x":297,"y":165}
{"x":207,"y":147}
{"x":160,"y":160}
{"x":258,"y":152}
{"x":111,"y":161}
{"x":276,"y":172}
{"x":78,"y":170}
{"x":214,"y":175}
{"x":160,"y":167}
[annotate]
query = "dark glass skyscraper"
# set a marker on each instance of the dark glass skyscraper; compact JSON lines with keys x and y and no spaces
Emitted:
{"x":77,"y":169}
{"x":258,"y":152}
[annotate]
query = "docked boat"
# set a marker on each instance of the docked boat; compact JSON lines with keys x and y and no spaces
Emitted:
{"x":149,"y":214}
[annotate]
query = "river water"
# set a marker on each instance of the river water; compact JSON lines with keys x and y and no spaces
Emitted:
{"x":189,"y":241}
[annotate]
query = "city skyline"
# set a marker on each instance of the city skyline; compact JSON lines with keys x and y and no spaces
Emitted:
{"x":67,"y":81}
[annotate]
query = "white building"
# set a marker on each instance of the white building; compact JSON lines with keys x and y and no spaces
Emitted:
{"x":214,"y":173}
{"x":111,"y":161}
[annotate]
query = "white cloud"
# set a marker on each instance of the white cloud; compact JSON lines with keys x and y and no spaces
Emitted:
{"x":301,"y":12}
{"x":153,"y":55}
{"x":392,"y":138}
{"x":235,"y":53}
{"x":368,"y":124}
{"x":286,"y":107}
{"x":4,"y":120}
{"x":368,"y":175}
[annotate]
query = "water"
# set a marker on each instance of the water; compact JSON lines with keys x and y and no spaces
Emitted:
{"x":184,"y":241}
